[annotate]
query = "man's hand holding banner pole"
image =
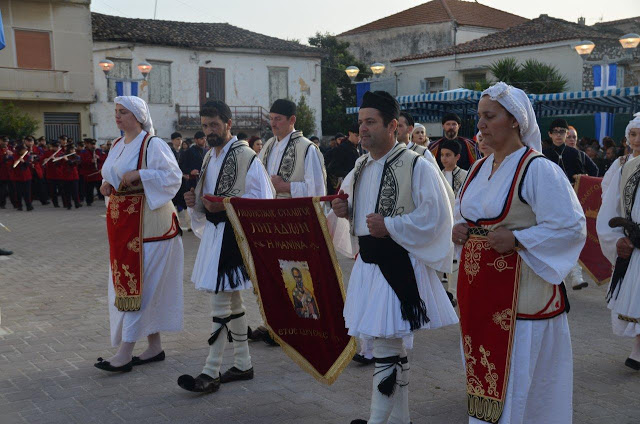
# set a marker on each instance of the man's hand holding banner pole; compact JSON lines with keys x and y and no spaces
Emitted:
{"x":289,"y":255}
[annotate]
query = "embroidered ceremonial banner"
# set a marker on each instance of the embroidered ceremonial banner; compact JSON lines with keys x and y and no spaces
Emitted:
{"x":125,"y":232}
{"x":592,"y":259}
{"x":288,"y":252}
{"x":487,"y":296}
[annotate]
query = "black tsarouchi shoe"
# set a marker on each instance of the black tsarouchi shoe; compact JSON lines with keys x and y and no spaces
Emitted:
{"x":106,"y":366}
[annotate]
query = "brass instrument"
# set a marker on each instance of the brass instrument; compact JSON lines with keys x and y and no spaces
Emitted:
{"x":17,"y":162}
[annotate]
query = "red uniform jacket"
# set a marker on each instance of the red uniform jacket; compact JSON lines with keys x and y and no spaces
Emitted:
{"x":4,"y":163}
{"x":70,"y":168}
{"x":53,"y":170}
{"x":89,"y":168}
{"x":37,"y":155}
{"x":22,"y":172}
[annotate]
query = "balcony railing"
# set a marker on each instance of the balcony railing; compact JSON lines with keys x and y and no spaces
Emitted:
{"x":35,"y":83}
{"x":252,"y":118}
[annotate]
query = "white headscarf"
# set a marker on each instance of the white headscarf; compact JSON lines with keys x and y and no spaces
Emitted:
{"x":417,"y":127}
{"x":517,"y":103}
{"x":634,"y":123}
{"x":140,"y":110}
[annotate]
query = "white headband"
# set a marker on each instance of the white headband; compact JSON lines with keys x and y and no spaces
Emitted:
{"x":140,"y":110}
{"x":634,"y":123}
{"x":518,"y":104}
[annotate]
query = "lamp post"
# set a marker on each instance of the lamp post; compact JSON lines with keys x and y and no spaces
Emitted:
{"x":377,"y":69}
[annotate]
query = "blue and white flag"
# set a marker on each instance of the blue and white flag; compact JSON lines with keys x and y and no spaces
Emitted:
{"x":604,"y":78}
{"x":126,"y":88}
{"x":2,"y":42}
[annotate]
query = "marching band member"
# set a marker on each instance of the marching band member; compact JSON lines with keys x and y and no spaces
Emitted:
{"x":6,"y":188}
{"x":20,"y":174}
{"x":53,"y":172}
{"x":39,"y":187}
{"x":92,"y":160}
{"x":141,"y":163}
{"x":398,"y":210}
{"x":621,"y":243}
{"x":229,"y":169}
{"x":70,"y":177}
{"x":522,"y":229}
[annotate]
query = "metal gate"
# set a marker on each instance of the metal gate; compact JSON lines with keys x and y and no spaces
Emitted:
{"x":57,"y":124}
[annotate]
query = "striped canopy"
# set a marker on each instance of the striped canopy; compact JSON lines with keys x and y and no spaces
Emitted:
{"x":431,"y":107}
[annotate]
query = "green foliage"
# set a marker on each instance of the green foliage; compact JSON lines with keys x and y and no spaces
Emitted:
{"x":532,"y":76}
{"x":14,"y":123}
{"x":337,"y":92}
{"x":305,"y":118}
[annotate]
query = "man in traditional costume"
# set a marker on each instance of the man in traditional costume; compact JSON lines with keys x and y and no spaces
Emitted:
{"x":294,"y":163}
{"x":522,"y":229}
{"x":469,"y":152}
{"x":399,"y":220}
{"x":141,"y":176}
{"x":620,"y":241}
{"x":573,"y":162}
{"x":229,"y":169}
{"x":449,"y":156}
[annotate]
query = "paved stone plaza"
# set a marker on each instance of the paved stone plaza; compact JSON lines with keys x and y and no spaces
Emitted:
{"x":53,"y":294}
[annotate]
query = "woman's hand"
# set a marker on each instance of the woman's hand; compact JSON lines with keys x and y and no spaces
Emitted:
{"x":624,"y":247}
{"x":131,"y":178}
{"x":106,"y":189}
{"x":502,"y":240}
{"x":460,"y":233}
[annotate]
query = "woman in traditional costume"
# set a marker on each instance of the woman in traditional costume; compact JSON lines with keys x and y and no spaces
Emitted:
{"x":522,"y":229}
{"x":419,"y":135}
{"x":140,"y":177}
{"x":618,"y":227}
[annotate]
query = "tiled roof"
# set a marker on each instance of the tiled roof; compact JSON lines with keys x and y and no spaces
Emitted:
{"x":464,"y":12}
{"x":192,"y":35}
{"x":541,"y":30}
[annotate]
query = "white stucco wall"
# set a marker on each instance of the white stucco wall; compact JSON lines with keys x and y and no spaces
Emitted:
{"x":561,"y":55}
{"x":246,"y":81}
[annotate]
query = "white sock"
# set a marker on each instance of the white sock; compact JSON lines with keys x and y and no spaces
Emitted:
{"x":154,"y":348}
{"x":220,"y":308}
{"x":400,"y":413}
{"x":123,"y":355}
{"x":383,"y":405}
{"x":238,"y":328}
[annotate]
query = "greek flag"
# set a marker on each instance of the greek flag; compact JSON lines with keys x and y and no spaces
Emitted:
{"x":2,"y":42}
{"x":126,"y":88}
{"x":604,"y":78}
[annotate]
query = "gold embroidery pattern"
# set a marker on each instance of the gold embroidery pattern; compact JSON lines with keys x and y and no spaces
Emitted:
{"x":114,"y":204}
{"x":474,"y":386}
{"x":500,"y":264}
{"x":473,"y":255}
{"x":628,"y":319}
{"x":503,"y":319}
{"x":117,"y":286}
{"x":132,"y":279}
{"x":490,"y":377}
{"x":134,"y":245}
{"x":131,"y":209}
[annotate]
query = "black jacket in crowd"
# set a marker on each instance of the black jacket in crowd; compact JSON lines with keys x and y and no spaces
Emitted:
{"x":571,"y":160}
{"x":192,"y":159}
{"x":342,"y":160}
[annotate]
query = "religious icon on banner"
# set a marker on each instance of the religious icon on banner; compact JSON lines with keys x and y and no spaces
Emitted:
{"x":297,"y":279}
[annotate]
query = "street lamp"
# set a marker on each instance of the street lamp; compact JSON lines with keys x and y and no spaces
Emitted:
{"x":630,"y":41}
{"x":144,"y":68}
{"x":377,"y":68}
{"x":585,"y":47}
{"x":352,"y":72}
{"x":106,"y":65}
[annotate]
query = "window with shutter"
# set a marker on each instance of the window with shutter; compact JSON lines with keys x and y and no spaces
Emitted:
{"x":160,"y":82}
{"x":278,"y":84}
{"x":33,"y":49}
{"x":121,"y":69}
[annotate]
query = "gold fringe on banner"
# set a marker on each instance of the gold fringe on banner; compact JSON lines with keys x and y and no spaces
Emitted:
{"x":129,"y":303}
{"x":485,"y":409}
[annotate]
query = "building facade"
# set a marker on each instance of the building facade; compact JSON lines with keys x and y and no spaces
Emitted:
{"x":46,"y":68}
{"x":193,"y":63}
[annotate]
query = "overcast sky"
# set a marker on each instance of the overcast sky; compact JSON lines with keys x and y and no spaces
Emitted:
{"x":299,"y":19}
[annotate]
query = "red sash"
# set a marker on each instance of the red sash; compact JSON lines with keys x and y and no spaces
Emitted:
{"x":488,"y":297}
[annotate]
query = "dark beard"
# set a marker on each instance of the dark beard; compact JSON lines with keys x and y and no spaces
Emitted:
{"x":451,"y":135}
{"x":214,"y":140}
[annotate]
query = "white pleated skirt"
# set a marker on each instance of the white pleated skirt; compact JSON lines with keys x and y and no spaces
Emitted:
{"x":162,"y":298}
{"x":205,"y":269}
{"x":626,"y":300}
{"x":372,"y":308}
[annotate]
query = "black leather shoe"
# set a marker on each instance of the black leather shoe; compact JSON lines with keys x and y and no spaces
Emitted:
{"x":201,"y":384}
{"x":137,"y":361}
{"x":359,"y":421}
{"x":633,"y":364}
{"x":261,"y":333}
{"x":5,"y":252}
{"x":234,"y":374}
{"x":362,"y":360}
{"x":106,"y":366}
{"x":581,"y":285}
